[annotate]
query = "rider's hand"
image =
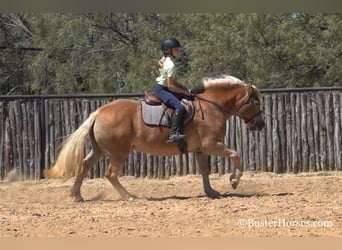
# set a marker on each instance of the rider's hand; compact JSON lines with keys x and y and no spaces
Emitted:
{"x":191,"y":95}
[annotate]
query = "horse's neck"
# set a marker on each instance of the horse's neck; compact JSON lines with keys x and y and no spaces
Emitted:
{"x":223,"y":99}
{"x":225,"y":95}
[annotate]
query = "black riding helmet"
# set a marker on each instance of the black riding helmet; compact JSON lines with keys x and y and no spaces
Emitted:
{"x":169,"y":43}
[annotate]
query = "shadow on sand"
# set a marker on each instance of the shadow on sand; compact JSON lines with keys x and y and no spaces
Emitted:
{"x":102,"y":197}
{"x":226,"y":195}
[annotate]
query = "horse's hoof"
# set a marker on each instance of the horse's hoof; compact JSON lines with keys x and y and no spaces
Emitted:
{"x":79,"y":199}
{"x":213,"y":194}
{"x":129,"y":197}
{"x":234,"y":183}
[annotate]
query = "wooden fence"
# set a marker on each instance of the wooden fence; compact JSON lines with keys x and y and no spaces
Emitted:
{"x":303,"y":133}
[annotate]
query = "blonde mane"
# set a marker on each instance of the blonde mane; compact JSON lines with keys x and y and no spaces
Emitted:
{"x":225,"y":80}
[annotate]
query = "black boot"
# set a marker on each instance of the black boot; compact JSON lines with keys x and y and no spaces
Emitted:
{"x":176,"y":124}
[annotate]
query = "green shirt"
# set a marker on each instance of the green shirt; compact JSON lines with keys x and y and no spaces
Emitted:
{"x":167,"y":70}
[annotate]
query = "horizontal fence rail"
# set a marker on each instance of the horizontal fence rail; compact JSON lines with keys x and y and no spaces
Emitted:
{"x":303,"y":133}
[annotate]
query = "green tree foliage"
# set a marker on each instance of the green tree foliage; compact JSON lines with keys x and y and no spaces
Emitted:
{"x":117,"y":52}
{"x":15,"y":53}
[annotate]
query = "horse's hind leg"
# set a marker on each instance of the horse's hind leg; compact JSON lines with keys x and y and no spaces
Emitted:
{"x":113,"y":172}
{"x":92,"y":158}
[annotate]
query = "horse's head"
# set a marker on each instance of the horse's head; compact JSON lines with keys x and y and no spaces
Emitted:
{"x":232,"y":96}
{"x":249,"y":109}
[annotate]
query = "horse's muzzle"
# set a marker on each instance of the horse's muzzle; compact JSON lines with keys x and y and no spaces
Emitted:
{"x":257,"y":123}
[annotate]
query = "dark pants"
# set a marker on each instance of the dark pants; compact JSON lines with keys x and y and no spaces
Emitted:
{"x":169,"y":98}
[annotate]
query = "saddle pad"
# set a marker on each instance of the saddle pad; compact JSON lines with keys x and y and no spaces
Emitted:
{"x":156,"y":114}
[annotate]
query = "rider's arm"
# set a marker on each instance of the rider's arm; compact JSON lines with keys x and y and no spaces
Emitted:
{"x":177,"y":87}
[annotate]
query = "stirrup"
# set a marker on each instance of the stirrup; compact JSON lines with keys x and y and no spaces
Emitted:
{"x":176,"y":137}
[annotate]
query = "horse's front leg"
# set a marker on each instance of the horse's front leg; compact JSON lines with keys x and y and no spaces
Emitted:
{"x":219,"y":149}
{"x":202,"y":162}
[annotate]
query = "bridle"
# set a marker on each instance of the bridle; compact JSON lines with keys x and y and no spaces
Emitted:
{"x":247,"y":101}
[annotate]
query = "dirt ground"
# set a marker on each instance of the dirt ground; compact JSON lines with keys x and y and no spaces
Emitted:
{"x":264,"y":204}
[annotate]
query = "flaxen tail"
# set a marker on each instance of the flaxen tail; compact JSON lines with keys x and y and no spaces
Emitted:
{"x":70,"y":159}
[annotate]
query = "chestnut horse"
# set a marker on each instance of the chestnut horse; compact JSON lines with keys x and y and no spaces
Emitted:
{"x":117,"y":127}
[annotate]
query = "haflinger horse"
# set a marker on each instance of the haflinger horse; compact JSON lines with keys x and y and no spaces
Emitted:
{"x":117,"y":127}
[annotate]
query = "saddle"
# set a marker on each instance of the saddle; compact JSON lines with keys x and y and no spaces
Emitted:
{"x":151,"y":99}
{"x":155,"y":113}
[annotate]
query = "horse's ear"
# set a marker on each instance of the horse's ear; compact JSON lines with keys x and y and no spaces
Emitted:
{"x":250,"y":86}
{"x":253,"y":89}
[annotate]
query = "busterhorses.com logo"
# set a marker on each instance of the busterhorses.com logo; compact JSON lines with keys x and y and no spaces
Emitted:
{"x":281,"y":222}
